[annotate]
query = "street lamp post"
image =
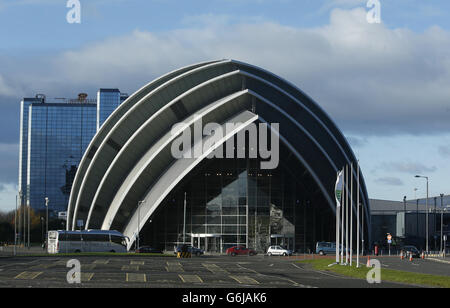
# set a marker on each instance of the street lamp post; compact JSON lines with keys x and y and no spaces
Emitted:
{"x":426,"y":214}
{"x":15,"y":228}
{"x":442,"y":229}
{"x":404,"y":216}
{"x":442,"y":217}
{"x":42,"y":229}
{"x":184,"y":220}
{"x":139,"y":223}
{"x":46,"y":215}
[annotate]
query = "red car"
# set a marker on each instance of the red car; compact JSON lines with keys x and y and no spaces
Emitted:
{"x":240,"y":250}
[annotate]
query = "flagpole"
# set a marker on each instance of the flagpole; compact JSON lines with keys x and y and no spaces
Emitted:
{"x":357,"y":219}
{"x":337,"y":223}
{"x":338,"y":195}
{"x":342,"y":218}
{"x":351,"y":214}
{"x":346,"y":217}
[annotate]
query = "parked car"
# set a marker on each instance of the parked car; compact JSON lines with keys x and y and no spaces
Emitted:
{"x":148,"y":249}
{"x":240,"y":250}
{"x":323,"y":248}
{"x":193,"y":250}
{"x":196,"y":251}
{"x":278,"y":251}
{"x":411,"y":250}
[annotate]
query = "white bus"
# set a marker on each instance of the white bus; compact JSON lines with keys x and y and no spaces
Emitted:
{"x":86,"y":241}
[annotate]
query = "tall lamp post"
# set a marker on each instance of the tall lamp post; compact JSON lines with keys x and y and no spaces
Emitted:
{"x":139,"y":222}
{"x":404,"y":216}
{"x":42,"y":229}
{"x":46,"y":214}
{"x":442,"y":229}
{"x":426,"y":206}
{"x":15,"y":228}
{"x":442,"y":217}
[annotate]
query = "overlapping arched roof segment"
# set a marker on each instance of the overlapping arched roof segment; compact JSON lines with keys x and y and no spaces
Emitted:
{"x":129,"y":159}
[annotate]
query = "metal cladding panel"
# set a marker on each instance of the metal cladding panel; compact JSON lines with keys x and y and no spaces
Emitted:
{"x":155,"y":167}
{"x":174,"y":175}
{"x":341,"y":141}
{"x":159,"y":124}
{"x":307,"y":129}
{"x":140,"y":167}
{"x":342,"y":152}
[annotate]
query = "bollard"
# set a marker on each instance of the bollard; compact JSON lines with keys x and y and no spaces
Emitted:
{"x":368,"y":261}
{"x":184,"y":255}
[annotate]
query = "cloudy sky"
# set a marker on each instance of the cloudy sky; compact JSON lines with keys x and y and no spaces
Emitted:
{"x":386,"y":85}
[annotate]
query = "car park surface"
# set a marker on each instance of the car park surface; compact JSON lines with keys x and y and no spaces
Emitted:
{"x":170,"y":272}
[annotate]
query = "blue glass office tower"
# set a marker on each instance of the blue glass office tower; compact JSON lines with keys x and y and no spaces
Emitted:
{"x":23,"y":145}
{"x":53,"y":139}
{"x":107,"y":101}
{"x":58,"y":135}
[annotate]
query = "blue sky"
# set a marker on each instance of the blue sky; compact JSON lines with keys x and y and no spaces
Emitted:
{"x":386,"y":85}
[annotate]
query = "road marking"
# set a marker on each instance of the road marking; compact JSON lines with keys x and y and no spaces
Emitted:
{"x":133,"y":262}
{"x":244,"y":279}
{"x":214,"y":268}
{"x":101,"y":262}
{"x":190,"y":278}
{"x":439,"y":260}
{"x":42,"y":266}
{"x":86,"y":276}
{"x":134,"y":277}
{"x":322,"y":273}
{"x":295,"y":265}
{"x":130,"y":268}
{"x":174,"y":267}
{"x":28,"y":275}
{"x":88,"y":267}
{"x":296,"y":284}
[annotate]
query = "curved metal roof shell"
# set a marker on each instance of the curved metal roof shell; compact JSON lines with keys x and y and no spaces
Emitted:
{"x":129,"y":159}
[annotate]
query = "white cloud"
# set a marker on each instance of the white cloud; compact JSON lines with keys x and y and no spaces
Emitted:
{"x":390,"y":181}
{"x":444,"y":151}
{"x":5,"y":89}
{"x":7,"y":196}
{"x":408,"y":167}
{"x":373,"y":80}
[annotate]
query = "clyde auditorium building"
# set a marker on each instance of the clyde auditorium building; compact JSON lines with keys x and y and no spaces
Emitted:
{"x":129,"y":179}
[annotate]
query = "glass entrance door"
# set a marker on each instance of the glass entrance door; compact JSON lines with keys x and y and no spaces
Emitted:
{"x":213,"y":244}
{"x":202,"y":242}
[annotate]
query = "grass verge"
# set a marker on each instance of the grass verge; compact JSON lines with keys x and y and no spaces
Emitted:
{"x":386,"y":274}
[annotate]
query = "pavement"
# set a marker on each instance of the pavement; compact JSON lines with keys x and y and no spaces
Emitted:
{"x":170,"y":272}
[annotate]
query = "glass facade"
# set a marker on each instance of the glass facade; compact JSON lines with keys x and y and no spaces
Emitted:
{"x":58,"y":135}
{"x":53,"y":138}
{"x":23,"y":147}
{"x":107,"y":101}
{"x":233,"y":202}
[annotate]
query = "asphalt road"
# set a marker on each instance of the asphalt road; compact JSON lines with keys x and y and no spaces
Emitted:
{"x":426,"y":266}
{"x":170,"y":272}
